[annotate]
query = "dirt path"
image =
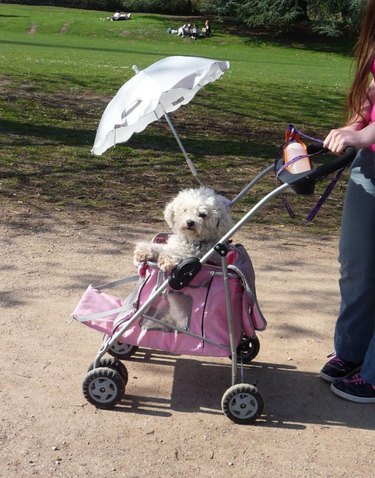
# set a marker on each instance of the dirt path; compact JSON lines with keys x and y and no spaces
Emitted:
{"x":170,"y":423}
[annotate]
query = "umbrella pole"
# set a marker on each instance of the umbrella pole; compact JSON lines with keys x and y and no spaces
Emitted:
{"x":188,"y":160}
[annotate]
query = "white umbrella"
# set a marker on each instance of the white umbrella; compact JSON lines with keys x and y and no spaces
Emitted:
{"x":152,"y":93}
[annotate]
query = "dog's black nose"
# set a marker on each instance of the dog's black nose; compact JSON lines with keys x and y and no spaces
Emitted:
{"x":190,"y":223}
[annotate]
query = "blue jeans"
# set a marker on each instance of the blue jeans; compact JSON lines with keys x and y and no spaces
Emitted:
{"x":355,"y":327}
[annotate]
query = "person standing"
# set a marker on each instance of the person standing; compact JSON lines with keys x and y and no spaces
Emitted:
{"x":207,"y":28}
{"x":351,"y":368}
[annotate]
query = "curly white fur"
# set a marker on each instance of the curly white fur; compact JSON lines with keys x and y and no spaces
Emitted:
{"x":198,"y":219}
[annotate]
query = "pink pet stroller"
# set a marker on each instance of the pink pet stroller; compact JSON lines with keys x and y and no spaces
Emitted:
{"x":199,"y":309}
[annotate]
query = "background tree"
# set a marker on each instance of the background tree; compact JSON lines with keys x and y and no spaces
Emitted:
{"x":327,"y":17}
{"x":335,"y":17}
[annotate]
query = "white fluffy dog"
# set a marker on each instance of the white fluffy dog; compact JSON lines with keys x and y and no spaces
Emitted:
{"x":198,"y":219}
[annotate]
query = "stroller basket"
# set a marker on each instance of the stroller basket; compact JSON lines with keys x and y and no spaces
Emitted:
{"x":190,"y":321}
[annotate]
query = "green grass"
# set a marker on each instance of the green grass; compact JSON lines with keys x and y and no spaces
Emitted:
{"x":60,"y":67}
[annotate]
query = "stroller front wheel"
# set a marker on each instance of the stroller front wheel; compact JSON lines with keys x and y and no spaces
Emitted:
{"x":103,"y":387}
{"x":242,"y":403}
{"x":114,"y":364}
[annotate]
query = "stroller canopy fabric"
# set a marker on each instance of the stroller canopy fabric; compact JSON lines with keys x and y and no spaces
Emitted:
{"x":159,"y":89}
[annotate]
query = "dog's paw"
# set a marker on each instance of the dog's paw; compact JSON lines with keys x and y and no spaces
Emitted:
{"x":142,"y":254}
{"x":165,"y":262}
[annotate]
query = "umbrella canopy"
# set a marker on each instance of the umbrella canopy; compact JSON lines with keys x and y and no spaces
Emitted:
{"x":152,"y":93}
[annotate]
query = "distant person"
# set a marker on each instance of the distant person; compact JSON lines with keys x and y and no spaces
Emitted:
{"x":187,"y":30}
{"x":117,"y":16}
{"x":182,"y":30}
{"x":194,"y":32}
{"x":207,"y":28}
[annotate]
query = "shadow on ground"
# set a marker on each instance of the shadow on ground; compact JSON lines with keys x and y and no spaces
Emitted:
{"x":293,"y":399}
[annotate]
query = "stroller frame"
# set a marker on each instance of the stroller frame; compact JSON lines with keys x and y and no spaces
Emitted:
{"x":105,"y":382}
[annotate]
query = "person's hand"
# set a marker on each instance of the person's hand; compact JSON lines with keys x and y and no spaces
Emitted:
{"x":352,"y":135}
{"x":339,"y":139}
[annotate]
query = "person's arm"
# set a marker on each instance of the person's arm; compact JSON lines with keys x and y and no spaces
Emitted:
{"x":339,"y":139}
{"x":358,"y":132}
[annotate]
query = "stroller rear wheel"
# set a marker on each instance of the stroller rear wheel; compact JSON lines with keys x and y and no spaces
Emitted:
{"x":114,"y":364}
{"x":248,"y":349}
{"x":103,"y":387}
{"x":242,"y":403}
{"x":121,"y":350}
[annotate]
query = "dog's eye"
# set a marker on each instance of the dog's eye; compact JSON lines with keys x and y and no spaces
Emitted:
{"x":202,"y":214}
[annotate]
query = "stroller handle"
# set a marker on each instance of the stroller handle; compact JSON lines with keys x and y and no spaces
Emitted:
{"x":326,"y":168}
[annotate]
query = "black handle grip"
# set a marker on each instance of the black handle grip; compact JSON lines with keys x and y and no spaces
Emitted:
{"x":316,"y":149}
{"x":326,"y":168}
{"x":337,"y":163}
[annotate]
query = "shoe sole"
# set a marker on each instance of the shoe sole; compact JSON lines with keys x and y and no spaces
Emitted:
{"x":330,"y":379}
{"x":351,"y":398}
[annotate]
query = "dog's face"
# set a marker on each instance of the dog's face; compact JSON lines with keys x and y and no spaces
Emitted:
{"x":198,"y":214}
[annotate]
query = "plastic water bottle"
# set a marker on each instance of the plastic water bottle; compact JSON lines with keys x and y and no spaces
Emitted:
{"x":293,"y":150}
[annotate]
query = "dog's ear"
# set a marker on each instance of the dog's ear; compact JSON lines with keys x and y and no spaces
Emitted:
{"x":225,"y":202}
{"x":169,"y":214}
{"x":225,"y":217}
{"x":224,"y":224}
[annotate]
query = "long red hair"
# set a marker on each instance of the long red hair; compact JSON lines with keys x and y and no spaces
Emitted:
{"x":365,"y":55}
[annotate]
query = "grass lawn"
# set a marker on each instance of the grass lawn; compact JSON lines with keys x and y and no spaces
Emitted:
{"x":60,"y":67}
